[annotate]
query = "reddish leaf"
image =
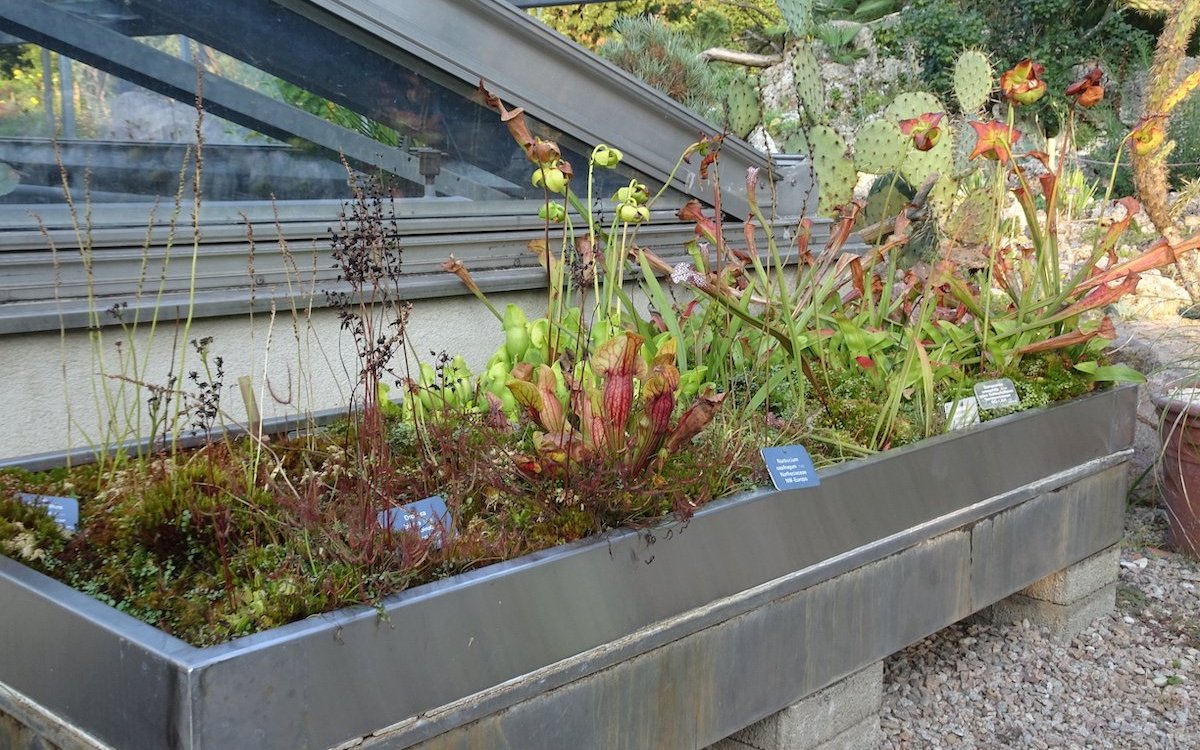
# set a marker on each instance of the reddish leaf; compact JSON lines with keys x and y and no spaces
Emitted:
{"x":705,"y":227}
{"x":496,"y":418}
{"x":1162,"y":253}
{"x":1106,"y":330}
{"x":695,"y":419}
{"x":658,"y":397}
{"x":1101,"y":296}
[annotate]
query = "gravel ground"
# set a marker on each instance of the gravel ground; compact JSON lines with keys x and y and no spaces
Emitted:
{"x":1130,"y":680}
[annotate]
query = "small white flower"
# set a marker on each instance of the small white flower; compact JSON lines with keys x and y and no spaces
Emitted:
{"x":684,"y":273}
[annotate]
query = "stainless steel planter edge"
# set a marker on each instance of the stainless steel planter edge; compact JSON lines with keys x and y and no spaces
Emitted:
{"x":328,"y":679}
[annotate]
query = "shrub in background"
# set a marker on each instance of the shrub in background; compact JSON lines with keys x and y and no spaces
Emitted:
{"x":663,"y":57}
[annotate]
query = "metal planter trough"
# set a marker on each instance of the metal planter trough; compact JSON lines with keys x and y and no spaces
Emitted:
{"x":674,"y":638}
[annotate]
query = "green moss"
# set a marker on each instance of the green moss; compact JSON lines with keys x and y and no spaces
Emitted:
{"x":207,"y":547}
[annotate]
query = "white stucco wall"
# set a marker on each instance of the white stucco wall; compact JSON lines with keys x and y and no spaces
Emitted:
{"x":47,"y":380}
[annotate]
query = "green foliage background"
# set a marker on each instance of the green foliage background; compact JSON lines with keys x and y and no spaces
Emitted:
{"x":707,"y":22}
{"x":1060,"y":34}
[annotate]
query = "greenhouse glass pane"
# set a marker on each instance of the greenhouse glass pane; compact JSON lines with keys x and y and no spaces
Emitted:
{"x":109,"y":94}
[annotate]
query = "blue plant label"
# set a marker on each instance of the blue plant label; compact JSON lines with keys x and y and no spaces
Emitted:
{"x":996,"y":394}
{"x":426,"y":517}
{"x":64,"y":510}
{"x":961,"y":413}
{"x":790,"y":467}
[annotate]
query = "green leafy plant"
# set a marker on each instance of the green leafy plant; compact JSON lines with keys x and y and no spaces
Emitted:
{"x":664,"y":58}
{"x":619,"y":411}
{"x":596,"y":414}
{"x":839,"y":42}
{"x":1061,"y":33}
{"x":912,"y":337}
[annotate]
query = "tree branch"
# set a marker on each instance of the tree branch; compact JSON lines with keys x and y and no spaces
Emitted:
{"x":748,"y":59}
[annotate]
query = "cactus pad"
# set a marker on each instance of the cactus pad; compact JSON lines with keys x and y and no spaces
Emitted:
{"x":796,"y":143}
{"x":742,"y":109}
{"x":961,"y":148}
{"x":971,"y":221}
{"x":797,"y":14}
{"x":918,"y":165}
{"x":836,"y":176}
{"x":806,"y":77}
{"x":972,"y":80}
{"x":880,"y":147}
{"x":888,"y":195}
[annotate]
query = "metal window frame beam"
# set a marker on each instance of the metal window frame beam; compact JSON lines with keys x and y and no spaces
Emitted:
{"x":555,"y":80}
{"x":115,"y":53}
{"x":460,"y":41}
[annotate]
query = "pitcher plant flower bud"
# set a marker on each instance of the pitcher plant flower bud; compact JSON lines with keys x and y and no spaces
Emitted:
{"x":634,"y":193}
{"x":553,"y":178}
{"x":993,"y":140}
{"x":1023,"y":84}
{"x":923,"y":130}
{"x":606,"y":156}
{"x":1148,"y":135}
{"x":1087,"y":91}
{"x":552,"y":212}
{"x":633,"y":214}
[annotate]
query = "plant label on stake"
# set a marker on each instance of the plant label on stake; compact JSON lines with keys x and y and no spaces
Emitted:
{"x":64,"y":510}
{"x":961,"y":413}
{"x":790,"y":467}
{"x":426,"y":517}
{"x":996,"y":394}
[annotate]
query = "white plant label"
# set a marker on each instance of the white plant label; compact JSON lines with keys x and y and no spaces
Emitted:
{"x":996,"y":394}
{"x":961,"y":413}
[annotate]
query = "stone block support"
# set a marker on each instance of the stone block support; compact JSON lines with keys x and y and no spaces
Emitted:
{"x":842,"y":716}
{"x":1068,"y":601}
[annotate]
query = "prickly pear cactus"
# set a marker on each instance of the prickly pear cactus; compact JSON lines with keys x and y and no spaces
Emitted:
{"x":923,"y":245}
{"x":798,"y":15}
{"x":920,"y":164}
{"x":836,"y":175}
{"x":887,"y":196}
{"x":806,"y":77}
{"x":742,"y":109}
{"x":961,"y":148}
{"x":971,"y":221}
{"x":972,"y":80}
{"x":880,"y":147}
{"x":797,"y":143}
